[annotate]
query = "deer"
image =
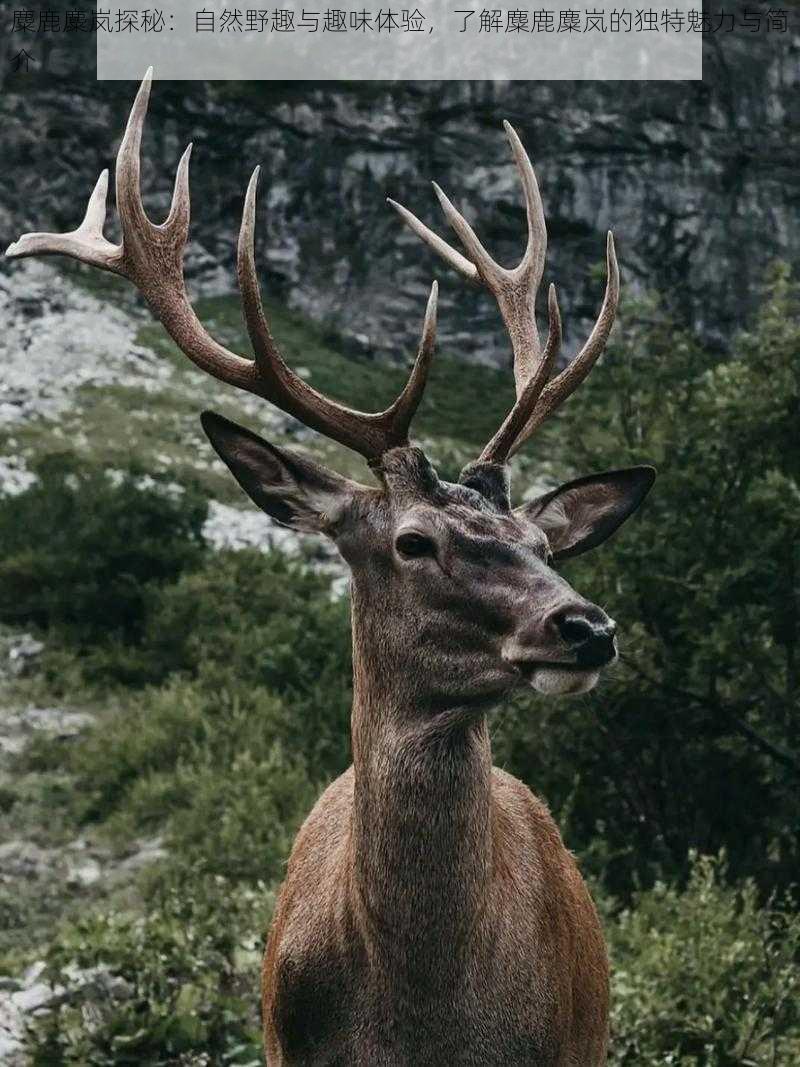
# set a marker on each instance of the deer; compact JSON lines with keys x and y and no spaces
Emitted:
{"x":431,"y":915}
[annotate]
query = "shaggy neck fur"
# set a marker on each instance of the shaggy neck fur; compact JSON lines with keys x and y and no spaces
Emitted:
{"x":422,"y":813}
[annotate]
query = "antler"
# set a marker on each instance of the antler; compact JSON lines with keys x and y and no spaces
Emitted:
{"x":515,"y":290}
{"x":151,"y":256}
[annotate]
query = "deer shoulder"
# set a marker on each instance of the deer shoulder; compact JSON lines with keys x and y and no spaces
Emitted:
{"x":308,"y":964}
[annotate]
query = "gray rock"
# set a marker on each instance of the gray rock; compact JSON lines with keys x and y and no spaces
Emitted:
{"x":699,"y":181}
{"x":56,"y":721}
{"x":15,"y":477}
{"x":18,"y":654}
{"x":150,"y":851}
{"x":34,"y":973}
{"x":12,"y":746}
{"x":85,"y":873}
{"x":12,"y":1030}
{"x":42,"y":313}
{"x":24,"y":999}
{"x":234,"y":528}
{"x":20,"y":859}
{"x":40,"y":995}
{"x":18,"y":726}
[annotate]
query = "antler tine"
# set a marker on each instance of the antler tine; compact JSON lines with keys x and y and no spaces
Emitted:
{"x":506,"y":440}
{"x":151,"y":256}
{"x":180,"y":208}
{"x":264,"y":346}
{"x":366,"y":433}
{"x":489,"y":272}
{"x":402,"y":411}
{"x":564,"y":384}
{"x":533,"y":260}
{"x":132,"y":216}
{"x":514,"y":288}
{"x":86,"y":243}
{"x":446,"y":251}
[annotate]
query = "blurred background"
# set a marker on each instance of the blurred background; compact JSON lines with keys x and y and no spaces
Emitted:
{"x":174,"y":670}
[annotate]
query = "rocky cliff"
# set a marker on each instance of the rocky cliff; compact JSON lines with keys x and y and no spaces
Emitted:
{"x":699,"y":181}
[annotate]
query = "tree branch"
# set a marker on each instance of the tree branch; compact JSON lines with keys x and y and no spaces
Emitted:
{"x":729,"y":713}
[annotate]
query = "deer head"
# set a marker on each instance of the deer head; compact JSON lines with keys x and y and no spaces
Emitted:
{"x":451,"y":584}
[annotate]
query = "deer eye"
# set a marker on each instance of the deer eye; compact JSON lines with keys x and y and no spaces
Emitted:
{"x":414,"y":545}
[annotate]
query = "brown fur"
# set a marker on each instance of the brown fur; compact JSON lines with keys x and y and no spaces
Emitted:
{"x":515,"y":975}
{"x":431,"y":914}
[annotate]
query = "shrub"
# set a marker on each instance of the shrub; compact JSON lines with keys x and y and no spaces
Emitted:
{"x":250,"y":620}
{"x":189,"y":964}
{"x":707,"y":977}
{"x":213,"y":764}
{"x":241,"y":822}
{"x":82,"y":551}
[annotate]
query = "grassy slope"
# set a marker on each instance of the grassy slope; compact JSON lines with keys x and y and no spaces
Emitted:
{"x":121,"y":427}
{"x":463,"y":404}
{"x":739,"y":957}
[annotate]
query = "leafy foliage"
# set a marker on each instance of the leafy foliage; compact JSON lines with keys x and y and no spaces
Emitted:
{"x":212,"y":765}
{"x":81,"y":550}
{"x":705,"y":977}
{"x":692,"y":742}
{"x":250,"y":620}
{"x":186,"y":978}
{"x":227,"y":692}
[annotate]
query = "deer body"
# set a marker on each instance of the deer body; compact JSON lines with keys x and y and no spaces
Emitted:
{"x":431,"y":915}
{"x":467,"y":939}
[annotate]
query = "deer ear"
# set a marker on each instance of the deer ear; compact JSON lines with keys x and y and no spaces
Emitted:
{"x":293,"y":490}
{"x":582,"y":514}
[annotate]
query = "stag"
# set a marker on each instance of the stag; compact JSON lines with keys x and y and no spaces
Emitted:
{"x":431,"y":915}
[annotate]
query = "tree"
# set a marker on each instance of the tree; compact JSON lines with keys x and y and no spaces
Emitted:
{"x":694,"y":740}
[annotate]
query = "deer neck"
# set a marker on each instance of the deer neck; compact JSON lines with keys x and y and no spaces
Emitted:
{"x":422,"y":808}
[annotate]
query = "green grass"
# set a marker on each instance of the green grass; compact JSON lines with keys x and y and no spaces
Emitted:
{"x":462,"y":407}
{"x":463,"y":402}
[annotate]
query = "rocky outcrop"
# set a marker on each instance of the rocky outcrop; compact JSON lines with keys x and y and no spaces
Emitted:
{"x":698,"y":180}
{"x":34,"y":994}
{"x":56,"y":338}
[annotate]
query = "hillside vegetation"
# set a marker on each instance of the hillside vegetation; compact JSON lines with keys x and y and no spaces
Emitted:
{"x":214,"y":690}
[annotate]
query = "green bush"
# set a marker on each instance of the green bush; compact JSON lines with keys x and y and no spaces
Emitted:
{"x":142,"y":739}
{"x":189,"y":962}
{"x":241,"y":822}
{"x":251,"y":620}
{"x":82,"y":551}
{"x":707,"y":977}
{"x":691,"y":741}
{"x":212,"y":768}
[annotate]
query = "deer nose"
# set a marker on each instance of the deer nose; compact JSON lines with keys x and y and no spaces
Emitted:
{"x":589,"y":633}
